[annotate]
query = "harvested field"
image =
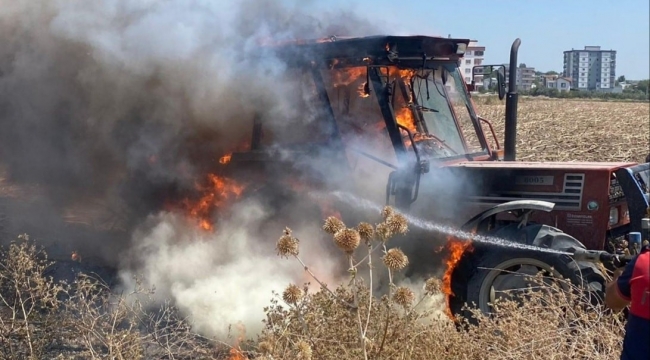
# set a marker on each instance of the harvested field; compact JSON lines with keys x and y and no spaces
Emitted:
{"x":574,"y":130}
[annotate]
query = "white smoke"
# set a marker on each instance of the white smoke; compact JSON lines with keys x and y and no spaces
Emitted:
{"x":223,"y":278}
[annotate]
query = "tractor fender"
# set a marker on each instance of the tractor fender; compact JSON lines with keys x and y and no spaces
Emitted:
{"x":508,"y":206}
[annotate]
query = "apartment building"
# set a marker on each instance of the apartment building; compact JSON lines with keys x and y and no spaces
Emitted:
{"x":591,"y":69}
{"x":474,"y":56}
{"x":525,"y":77}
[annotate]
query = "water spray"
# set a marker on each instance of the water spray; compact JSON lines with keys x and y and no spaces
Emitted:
{"x":448,"y":230}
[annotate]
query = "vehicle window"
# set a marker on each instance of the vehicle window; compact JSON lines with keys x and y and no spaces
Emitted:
{"x":460,"y":103}
{"x":431,"y":96}
{"x":362,"y":126}
{"x":448,"y":122}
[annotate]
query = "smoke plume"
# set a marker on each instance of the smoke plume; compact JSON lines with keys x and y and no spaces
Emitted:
{"x":126,"y":104}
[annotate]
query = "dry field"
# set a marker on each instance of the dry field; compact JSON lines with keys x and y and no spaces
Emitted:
{"x":349,"y":322}
{"x":575,"y":130}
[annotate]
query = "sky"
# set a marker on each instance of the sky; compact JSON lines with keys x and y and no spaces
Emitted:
{"x":546,"y":28}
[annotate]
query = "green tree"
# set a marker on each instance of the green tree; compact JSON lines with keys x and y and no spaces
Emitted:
{"x":621,"y":79}
{"x":642,"y":86}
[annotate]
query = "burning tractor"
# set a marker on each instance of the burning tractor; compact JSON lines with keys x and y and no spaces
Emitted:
{"x":391,"y":118}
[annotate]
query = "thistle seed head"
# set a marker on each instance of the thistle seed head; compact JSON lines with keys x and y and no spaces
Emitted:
{"x":366,"y":231}
{"x":292,"y":294}
{"x":397,"y":224}
{"x":347,"y":239}
{"x":384,"y":232}
{"x":432,"y":286}
{"x":386,"y":212}
{"x":333,"y":225}
{"x":395,"y":259}
{"x":265,"y":347}
{"x":287,"y":244}
{"x":304,"y":350}
{"x":404,"y":296}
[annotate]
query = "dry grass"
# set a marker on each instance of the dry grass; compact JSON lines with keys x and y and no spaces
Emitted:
{"x":84,"y":320}
{"x":574,"y":130}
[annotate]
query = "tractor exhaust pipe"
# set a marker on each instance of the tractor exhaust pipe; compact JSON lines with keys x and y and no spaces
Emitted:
{"x":510,"y":141}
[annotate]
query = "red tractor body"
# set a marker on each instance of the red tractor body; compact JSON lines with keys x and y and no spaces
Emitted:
{"x":589,"y":203}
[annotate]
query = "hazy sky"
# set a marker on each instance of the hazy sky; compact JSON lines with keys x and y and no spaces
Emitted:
{"x":546,"y":27}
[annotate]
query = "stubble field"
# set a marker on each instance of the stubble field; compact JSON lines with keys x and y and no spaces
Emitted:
{"x":349,"y":322}
{"x":574,"y":130}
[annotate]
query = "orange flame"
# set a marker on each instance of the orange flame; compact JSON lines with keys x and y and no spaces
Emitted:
{"x":404,"y":117}
{"x":216,"y":193}
{"x":456,"y":249}
{"x":225,"y":159}
{"x":235,"y":351}
{"x":235,"y":354}
{"x":344,"y":77}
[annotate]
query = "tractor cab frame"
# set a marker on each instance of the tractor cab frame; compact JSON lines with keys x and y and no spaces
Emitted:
{"x":412,"y":77}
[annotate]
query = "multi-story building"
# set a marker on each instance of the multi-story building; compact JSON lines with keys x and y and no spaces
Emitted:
{"x":591,"y":68}
{"x":525,"y":77}
{"x":474,"y":56}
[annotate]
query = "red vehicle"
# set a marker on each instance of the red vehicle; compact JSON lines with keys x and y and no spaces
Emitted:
{"x":397,"y":109}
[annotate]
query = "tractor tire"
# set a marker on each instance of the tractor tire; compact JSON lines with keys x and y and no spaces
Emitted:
{"x":491,"y":270}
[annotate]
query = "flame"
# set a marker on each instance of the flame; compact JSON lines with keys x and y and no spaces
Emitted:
{"x":235,"y":354}
{"x":344,"y":77}
{"x":215,"y":194}
{"x":364,"y":90}
{"x":456,"y":249}
{"x":235,"y":351}
{"x":225,"y":159}
{"x":404,"y":117}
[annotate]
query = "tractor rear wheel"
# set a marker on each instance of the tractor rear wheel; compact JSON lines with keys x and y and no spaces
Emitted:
{"x":492,"y":273}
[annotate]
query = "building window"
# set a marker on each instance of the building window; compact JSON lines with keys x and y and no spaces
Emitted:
{"x":562,"y":85}
{"x":468,"y":52}
{"x":468,"y":62}
{"x":468,"y":71}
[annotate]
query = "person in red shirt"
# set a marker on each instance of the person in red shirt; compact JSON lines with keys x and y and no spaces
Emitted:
{"x":631,"y":286}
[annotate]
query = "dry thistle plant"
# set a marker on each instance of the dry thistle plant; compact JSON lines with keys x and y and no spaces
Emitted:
{"x":355,"y":305}
{"x":352,"y":322}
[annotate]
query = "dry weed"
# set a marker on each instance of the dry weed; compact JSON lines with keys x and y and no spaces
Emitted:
{"x":85,"y":320}
{"x":350,"y":322}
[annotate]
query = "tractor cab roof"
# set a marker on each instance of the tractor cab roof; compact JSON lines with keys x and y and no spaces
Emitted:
{"x":371,"y":50}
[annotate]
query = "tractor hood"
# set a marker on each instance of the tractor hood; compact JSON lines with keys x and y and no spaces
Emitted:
{"x":611,"y":166}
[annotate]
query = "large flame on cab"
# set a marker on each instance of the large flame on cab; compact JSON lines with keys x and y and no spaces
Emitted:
{"x":403,"y":114}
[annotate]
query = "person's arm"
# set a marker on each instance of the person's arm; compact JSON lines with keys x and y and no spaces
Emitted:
{"x":617,"y":292}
